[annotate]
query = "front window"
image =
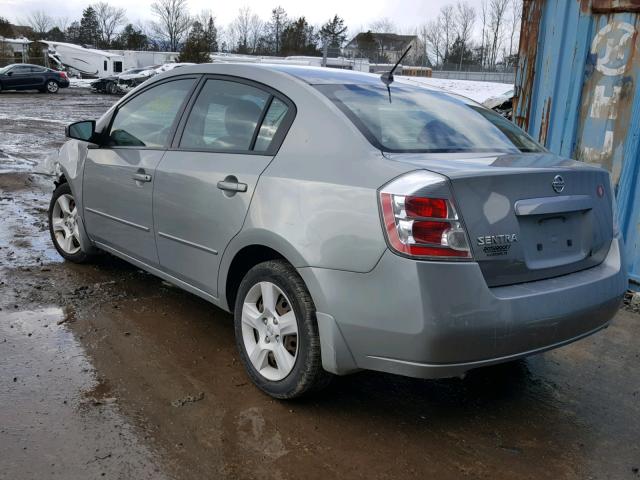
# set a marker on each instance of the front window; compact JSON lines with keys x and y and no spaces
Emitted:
{"x":146,"y":120}
{"x":414,"y":119}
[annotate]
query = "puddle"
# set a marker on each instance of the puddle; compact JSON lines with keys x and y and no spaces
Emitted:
{"x":24,"y":230}
{"x":58,"y":420}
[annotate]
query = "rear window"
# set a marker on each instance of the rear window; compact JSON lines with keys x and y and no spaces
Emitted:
{"x":416,"y":119}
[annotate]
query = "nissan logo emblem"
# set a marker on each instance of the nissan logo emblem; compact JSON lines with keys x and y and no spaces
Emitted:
{"x":558,"y":184}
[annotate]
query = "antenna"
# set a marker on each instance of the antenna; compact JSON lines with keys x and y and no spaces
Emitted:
{"x":387,"y":77}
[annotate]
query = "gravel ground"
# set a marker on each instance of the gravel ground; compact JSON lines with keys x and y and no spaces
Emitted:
{"x":108,"y":372}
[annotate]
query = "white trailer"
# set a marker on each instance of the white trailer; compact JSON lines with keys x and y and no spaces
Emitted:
{"x":136,"y":59}
{"x":88,"y":62}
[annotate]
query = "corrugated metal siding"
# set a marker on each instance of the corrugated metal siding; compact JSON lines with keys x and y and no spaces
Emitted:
{"x":578,"y":92}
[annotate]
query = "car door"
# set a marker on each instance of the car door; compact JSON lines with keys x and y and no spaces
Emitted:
{"x":18,"y":77}
{"x":205,"y":181}
{"x":37,"y":77}
{"x":119,"y":176}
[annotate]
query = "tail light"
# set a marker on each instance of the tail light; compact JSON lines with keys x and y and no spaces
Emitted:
{"x":63,"y":75}
{"x":420,"y":218}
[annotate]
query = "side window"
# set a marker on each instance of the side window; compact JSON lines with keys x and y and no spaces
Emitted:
{"x":272,"y":121}
{"x":105,"y":65}
{"x":224,"y":117}
{"x":21,"y":70}
{"x":37,"y":70}
{"x":146,"y":120}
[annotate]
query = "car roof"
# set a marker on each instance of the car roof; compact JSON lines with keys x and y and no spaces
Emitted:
{"x":25,"y":65}
{"x":323,"y":75}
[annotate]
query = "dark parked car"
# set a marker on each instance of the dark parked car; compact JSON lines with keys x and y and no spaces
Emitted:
{"x":125,"y":81}
{"x":106,"y":85}
{"x":22,"y":76}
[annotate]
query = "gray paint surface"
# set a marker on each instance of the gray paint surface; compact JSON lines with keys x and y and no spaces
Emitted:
{"x":316,"y":204}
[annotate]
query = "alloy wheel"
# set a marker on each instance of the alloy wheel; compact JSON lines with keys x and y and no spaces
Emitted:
{"x":269,"y":331}
{"x":64,"y":220}
{"x":52,"y":87}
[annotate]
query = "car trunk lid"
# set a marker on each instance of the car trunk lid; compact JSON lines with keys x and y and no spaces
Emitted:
{"x":528,"y":216}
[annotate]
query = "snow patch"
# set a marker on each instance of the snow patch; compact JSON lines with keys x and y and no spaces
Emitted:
{"x":478,"y":91}
{"x":81,"y":82}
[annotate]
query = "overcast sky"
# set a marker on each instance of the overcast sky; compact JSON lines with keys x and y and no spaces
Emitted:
{"x":406,"y":14}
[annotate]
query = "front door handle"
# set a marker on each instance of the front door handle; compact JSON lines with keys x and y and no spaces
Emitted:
{"x":231,"y":186}
{"x":142,"y":177}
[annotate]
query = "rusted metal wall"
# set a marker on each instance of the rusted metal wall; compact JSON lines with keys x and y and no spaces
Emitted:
{"x":578,"y":92}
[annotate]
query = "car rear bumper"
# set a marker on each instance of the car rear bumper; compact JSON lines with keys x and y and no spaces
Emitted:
{"x":440,"y":319}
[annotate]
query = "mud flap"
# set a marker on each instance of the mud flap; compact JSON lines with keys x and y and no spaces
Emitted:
{"x":336,"y":356}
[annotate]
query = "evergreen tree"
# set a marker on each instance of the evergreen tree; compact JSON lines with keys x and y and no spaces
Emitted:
{"x":56,"y":35}
{"x":298,"y":38}
{"x":132,"y":39}
{"x":275,"y":28}
{"x":459,"y":49}
{"x":89,"y":28}
{"x":6,"y":30}
{"x":334,"y":32}
{"x":367,"y":46}
{"x":73,"y":32}
{"x":196,"y":48}
{"x":211,"y":35}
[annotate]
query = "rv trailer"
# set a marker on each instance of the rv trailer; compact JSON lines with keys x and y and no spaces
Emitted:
{"x":88,"y":62}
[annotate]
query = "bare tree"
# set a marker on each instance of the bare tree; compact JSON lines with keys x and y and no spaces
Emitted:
{"x":382,"y":25}
{"x":497,"y":13}
{"x":484,"y":9}
{"x":245,"y":31}
{"x":516,"y":16}
{"x":434,"y":41}
{"x":62,"y":23}
{"x":109,"y":18}
{"x":446,"y":20}
{"x":465,"y":17}
{"x":173,"y":21}
{"x":40,"y":21}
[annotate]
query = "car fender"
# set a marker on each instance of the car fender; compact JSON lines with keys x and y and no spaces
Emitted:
{"x":250,"y":237}
{"x":68,"y":162}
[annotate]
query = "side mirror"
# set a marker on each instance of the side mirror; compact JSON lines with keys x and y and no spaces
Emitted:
{"x":84,"y":130}
{"x":9,"y":73}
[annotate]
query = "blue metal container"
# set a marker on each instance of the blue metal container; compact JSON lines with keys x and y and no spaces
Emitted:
{"x":577,"y":91}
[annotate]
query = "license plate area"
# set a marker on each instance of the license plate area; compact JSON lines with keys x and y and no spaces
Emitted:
{"x":556,"y":239}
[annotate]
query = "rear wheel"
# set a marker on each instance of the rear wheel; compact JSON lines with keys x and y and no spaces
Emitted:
{"x":52,"y":86}
{"x":64,"y":226}
{"x":276,"y":331}
{"x":111,"y":88}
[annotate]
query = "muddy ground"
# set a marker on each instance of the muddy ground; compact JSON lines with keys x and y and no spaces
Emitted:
{"x":108,"y":372}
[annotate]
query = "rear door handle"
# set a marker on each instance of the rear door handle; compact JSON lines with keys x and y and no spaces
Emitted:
{"x":142,"y":177}
{"x":232,"y":186}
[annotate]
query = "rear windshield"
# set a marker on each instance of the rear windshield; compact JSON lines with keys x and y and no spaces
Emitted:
{"x":417,"y":119}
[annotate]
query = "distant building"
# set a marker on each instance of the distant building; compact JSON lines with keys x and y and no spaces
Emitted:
{"x":382,"y":47}
{"x":13,"y":50}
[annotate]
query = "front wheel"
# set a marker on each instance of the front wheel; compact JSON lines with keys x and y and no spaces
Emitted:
{"x":276,"y":331}
{"x":64,"y":226}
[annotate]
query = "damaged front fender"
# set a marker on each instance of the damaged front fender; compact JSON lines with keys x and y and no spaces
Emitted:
{"x":66,"y":166}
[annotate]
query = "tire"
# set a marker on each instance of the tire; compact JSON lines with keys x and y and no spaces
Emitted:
{"x":290,"y":295}
{"x":111,"y":88}
{"x":52,"y":86}
{"x":60,"y":232}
